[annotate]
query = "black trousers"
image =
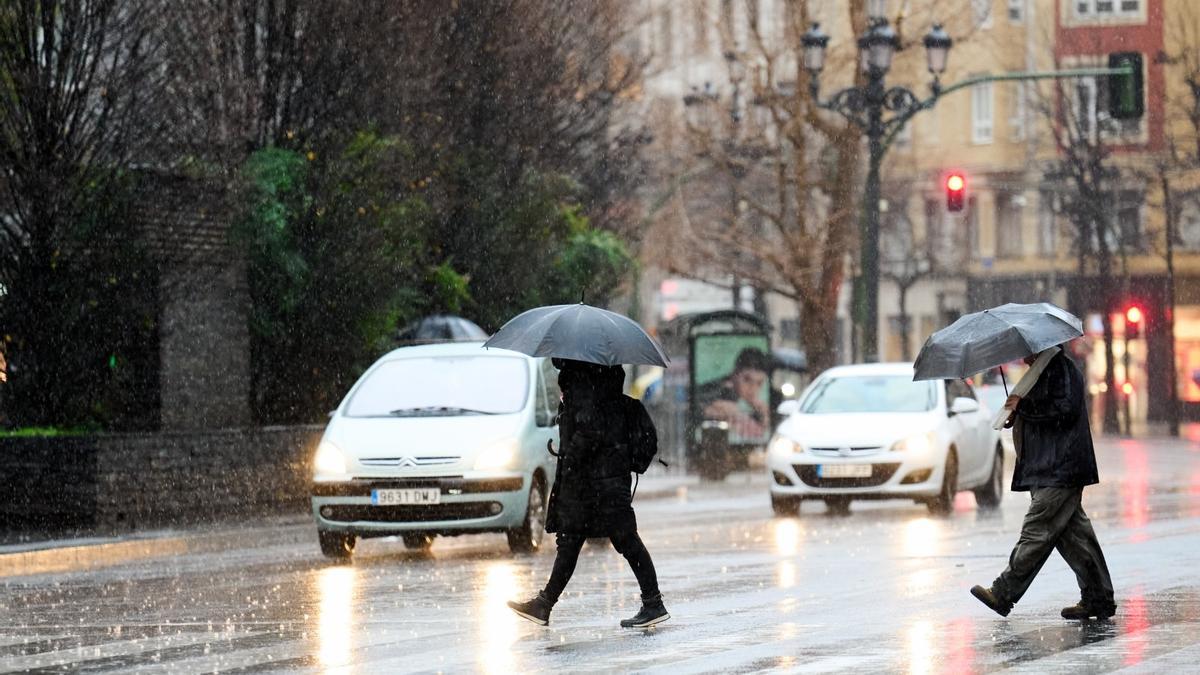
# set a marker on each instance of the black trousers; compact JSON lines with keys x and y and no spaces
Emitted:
{"x":628,"y":544}
{"x":1056,"y":521}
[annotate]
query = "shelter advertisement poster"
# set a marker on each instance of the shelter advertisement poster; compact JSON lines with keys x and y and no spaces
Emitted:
{"x":731,"y":376}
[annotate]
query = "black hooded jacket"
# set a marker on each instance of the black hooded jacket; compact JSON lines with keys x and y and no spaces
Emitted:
{"x":597,"y":423}
{"x":1053,"y":439}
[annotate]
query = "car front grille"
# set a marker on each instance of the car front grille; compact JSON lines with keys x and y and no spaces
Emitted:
{"x":856,"y":451}
{"x":348,"y":513}
{"x":409,"y":461}
{"x":880,"y":474}
{"x":449,"y":485}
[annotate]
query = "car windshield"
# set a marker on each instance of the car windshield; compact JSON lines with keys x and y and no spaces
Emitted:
{"x":869,"y":393}
{"x":442,"y":386}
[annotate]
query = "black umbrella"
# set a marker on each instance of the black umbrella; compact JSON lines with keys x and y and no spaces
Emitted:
{"x":581,"y":333}
{"x":993,"y":337}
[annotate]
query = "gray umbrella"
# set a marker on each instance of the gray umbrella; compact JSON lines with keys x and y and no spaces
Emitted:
{"x":579,"y":332}
{"x":993,"y":337}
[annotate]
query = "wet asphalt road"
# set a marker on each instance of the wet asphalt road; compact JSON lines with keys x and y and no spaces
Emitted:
{"x":883,"y":589}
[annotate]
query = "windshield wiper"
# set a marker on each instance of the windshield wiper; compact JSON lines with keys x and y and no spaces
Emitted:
{"x":434,"y":410}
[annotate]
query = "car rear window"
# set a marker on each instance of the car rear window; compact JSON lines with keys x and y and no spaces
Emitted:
{"x":870,"y":393}
{"x":443,"y":385}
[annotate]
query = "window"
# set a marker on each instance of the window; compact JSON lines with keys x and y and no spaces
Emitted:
{"x":981,"y":113}
{"x":1009,"y":207}
{"x":1047,"y":225}
{"x":1099,"y":9}
{"x":1090,"y":111}
{"x":1129,"y":221}
{"x":1016,"y":121}
{"x":1188,"y":235}
{"x":1016,"y":10}
{"x":973,"y":227}
{"x":958,"y":389}
{"x":982,"y":9}
{"x":442,"y":386}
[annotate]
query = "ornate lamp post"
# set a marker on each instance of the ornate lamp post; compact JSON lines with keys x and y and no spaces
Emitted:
{"x":865,"y":107}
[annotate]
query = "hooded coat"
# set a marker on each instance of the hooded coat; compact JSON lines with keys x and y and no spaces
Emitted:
{"x":1052,"y":434}
{"x":598,"y":426}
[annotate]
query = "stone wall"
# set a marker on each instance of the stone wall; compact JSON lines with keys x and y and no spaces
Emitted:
{"x":115,"y":483}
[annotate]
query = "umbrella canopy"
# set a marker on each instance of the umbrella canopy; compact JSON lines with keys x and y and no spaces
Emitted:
{"x":440,"y":328}
{"x":983,"y":340}
{"x":581,"y":333}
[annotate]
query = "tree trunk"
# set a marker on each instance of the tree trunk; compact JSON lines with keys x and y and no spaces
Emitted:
{"x":818,"y":333}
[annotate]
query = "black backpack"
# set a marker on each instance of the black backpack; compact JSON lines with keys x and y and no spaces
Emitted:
{"x":643,"y":441}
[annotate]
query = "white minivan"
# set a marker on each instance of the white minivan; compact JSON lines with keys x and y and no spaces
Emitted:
{"x":441,"y":439}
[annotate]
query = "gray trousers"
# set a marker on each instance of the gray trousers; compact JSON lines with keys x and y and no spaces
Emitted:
{"x":1056,"y":521}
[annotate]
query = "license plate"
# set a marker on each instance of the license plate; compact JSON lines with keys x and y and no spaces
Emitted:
{"x":844,"y":471}
{"x":406,"y":497}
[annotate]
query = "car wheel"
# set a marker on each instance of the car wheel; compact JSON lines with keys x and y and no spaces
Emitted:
{"x":528,"y":537}
{"x":417,"y":541}
{"x":785,"y":507}
{"x":943,"y":504}
{"x":988,"y":496}
{"x":838,"y":506}
{"x":336,"y":545}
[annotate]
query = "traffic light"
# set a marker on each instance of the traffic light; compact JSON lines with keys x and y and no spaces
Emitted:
{"x":1133,"y":322}
{"x":956,"y":191}
{"x":1126,"y":92}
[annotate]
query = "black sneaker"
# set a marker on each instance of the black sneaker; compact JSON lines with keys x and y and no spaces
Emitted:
{"x":988,"y":597}
{"x":653,"y":612}
{"x":536,"y":609}
{"x":1082,"y":611}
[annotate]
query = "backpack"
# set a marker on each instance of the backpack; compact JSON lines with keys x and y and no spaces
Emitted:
{"x":643,"y":441}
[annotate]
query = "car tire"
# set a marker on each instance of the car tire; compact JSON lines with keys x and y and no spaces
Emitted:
{"x":528,"y":537}
{"x":943,"y":503}
{"x":336,"y":545}
{"x":785,"y":507}
{"x":988,"y":496}
{"x":838,"y":506}
{"x":417,"y":541}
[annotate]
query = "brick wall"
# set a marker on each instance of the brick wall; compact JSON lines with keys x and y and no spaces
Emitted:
{"x":115,"y":483}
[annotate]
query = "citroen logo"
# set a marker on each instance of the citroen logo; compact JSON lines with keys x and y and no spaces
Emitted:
{"x":407,"y":461}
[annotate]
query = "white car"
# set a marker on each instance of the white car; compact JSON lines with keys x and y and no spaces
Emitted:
{"x":869,"y":432}
{"x":439,"y":439}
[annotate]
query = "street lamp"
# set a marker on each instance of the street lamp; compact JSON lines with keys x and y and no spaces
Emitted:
{"x":864,"y":106}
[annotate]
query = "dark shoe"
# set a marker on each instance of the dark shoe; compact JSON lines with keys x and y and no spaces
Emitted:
{"x":653,"y":612}
{"x":536,"y":609}
{"x":1083,"y":611}
{"x":988,"y":597}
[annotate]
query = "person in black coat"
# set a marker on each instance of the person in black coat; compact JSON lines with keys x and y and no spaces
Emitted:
{"x":601,"y":429}
{"x":1055,"y":461}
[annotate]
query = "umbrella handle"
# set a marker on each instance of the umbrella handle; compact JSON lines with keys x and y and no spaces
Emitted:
{"x":1005,"y":381}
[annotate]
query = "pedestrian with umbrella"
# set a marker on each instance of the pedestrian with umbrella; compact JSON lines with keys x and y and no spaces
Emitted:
{"x":605,"y":436}
{"x":1055,"y":457}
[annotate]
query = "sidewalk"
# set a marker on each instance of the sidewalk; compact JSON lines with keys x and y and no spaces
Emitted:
{"x":82,"y":553}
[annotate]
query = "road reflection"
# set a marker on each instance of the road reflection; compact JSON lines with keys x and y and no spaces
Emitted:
{"x":336,"y":620}
{"x":1135,"y":623}
{"x":919,"y":644}
{"x":497,"y":625}
{"x":787,"y":534}
{"x":1135,"y":487}
{"x":922,"y":537}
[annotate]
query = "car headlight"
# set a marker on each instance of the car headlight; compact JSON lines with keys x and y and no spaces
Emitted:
{"x":782,"y":447}
{"x":498,"y":456}
{"x":919,"y":444}
{"x":329,"y":462}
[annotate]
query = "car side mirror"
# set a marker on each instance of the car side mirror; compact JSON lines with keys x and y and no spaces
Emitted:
{"x":332,"y":413}
{"x":788,"y":408}
{"x":962,"y":405}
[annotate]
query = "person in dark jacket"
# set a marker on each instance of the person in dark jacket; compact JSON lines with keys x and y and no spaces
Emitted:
{"x":1055,"y":460}
{"x":591,"y":498}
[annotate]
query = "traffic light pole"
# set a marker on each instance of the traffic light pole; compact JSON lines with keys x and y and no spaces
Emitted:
{"x":864,"y":106}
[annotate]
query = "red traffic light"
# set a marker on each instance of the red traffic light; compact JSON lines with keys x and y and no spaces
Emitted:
{"x":1133,"y":314}
{"x":956,"y":187}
